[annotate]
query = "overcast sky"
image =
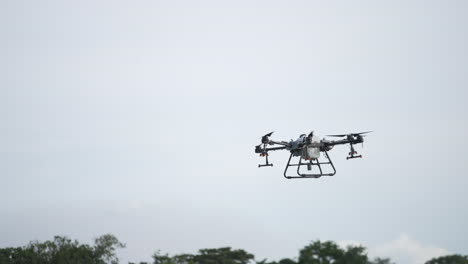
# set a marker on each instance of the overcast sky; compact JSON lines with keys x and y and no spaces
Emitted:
{"x":139,"y":118}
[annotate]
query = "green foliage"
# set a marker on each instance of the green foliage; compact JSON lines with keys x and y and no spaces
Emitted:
{"x":63,"y":250}
{"x":354,"y":255}
{"x":287,"y":261}
{"x":17,"y":255}
{"x":184,"y":259}
{"x":105,"y":247}
{"x":206,"y":256}
{"x":162,"y":259}
{"x":450,"y":259}
{"x":282,"y":261}
{"x":330,"y":253}
{"x":320,"y":253}
{"x":222,"y":256}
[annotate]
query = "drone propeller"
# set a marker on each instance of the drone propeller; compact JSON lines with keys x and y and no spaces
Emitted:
{"x":309,"y":137}
{"x":351,"y":134}
{"x":361,"y":133}
{"x":265,"y":137}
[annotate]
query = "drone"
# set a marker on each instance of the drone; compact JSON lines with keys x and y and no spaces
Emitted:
{"x":308,"y":149}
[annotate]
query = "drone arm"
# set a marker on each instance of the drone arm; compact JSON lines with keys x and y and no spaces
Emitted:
{"x":349,"y":140}
{"x":344,"y":141}
{"x":278,"y":143}
{"x":259,"y":149}
{"x":275,"y":148}
{"x":264,"y":153}
{"x":337,"y":142}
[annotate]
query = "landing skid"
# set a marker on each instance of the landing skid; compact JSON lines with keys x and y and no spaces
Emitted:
{"x":310,"y":164}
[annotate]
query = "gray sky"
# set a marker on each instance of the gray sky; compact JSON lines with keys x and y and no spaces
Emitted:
{"x":139,"y":118}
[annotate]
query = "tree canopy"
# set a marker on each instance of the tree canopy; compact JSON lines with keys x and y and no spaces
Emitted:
{"x":224,"y":255}
{"x":62,"y":250}
{"x":450,"y":259}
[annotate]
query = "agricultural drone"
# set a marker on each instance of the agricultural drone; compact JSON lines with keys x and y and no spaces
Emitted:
{"x":309,"y":148}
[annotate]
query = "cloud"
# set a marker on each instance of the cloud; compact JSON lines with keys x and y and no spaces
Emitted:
{"x":405,"y":249}
{"x":346,"y":243}
{"x":402,"y":250}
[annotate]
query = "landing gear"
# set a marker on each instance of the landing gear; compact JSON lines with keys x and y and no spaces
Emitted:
{"x":310,"y":164}
{"x":266,"y":161}
{"x":352,"y":153}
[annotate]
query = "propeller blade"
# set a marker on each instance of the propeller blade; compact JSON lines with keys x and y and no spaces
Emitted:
{"x":344,"y":135}
{"x":355,"y":134}
{"x":265,"y":139}
{"x":269,"y":134}
{"x":350,"y":134}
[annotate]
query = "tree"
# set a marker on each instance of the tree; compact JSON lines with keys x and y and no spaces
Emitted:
{"x":329,"y":252}
{"x":354,"y":255}
{"x":17,"y":255}
{"x":184,"y":259}
{"x":162,"y":259}
{"x":320,"y":253}
{"x":450,"y":259}
{"x":206,"y":256}
{"x":287,"y":261}
{"x":63,"y":250}
{"x":223,"y":255}
{"x":60,"y":250}
{"x":282,"y":261}
{"x":105,"y":247}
